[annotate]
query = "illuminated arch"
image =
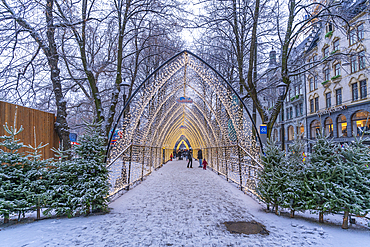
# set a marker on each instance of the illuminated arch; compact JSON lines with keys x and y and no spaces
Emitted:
{"x":216,"y":118}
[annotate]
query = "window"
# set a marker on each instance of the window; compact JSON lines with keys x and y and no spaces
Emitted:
{"x":300,"y":89}
{"x":316,"y":103}
{"x":354,"y":92}
{"x":338,"y":94}
{"x":361,"y":60}
{"x":363,"y":89}
{"x":315,"y":128}
{"x":291,"y":112}
{"x":310,"y":80}
{"x":300,"y":130}
{"x":290,"y":133}
{"x":359,"y":120}
{"x":312,"y":109}
{"x":360,"y":31}
{"x":336,"y":45}
{"x":329,"y":27}
{"x":297,"y":111}
{"x":354,"y":64}
{"x":352,"y":37}
{"x":337,"y":69}
{"x":326,"y":74}
{"x":315,"y":82}
{"x":342,"y":126}
{"x":326,"y":51}
{"x":328,"y":100}
{"x":329,"y":127}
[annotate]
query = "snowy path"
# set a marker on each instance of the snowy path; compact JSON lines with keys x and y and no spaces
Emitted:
{"x":176,"y":206}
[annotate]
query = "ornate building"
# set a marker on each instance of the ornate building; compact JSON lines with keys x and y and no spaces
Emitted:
{"x":333,"y":89}
{"x":337,"y":88}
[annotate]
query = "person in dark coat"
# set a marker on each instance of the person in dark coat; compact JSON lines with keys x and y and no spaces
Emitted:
{"x":200,"y":157}
{"x":190,"y":158}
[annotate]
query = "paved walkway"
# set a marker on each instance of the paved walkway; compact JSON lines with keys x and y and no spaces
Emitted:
{"x":175,"y":206}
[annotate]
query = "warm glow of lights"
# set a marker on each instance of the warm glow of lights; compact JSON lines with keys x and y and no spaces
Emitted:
{"x":156,"y":122}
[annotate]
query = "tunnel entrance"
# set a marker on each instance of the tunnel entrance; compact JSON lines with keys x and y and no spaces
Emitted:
{"x":184,"y":102}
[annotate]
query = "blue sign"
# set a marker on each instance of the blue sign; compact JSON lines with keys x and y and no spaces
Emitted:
{"x":263,"y":130}
{"x":73,"y":137}
{"x":184,"y":100}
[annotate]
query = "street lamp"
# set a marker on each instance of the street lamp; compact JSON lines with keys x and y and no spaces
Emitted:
{"x":124,"y":86}
{"x":282,"y":87}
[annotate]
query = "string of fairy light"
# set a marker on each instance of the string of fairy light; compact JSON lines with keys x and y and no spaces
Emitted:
{"x":156,"y":121}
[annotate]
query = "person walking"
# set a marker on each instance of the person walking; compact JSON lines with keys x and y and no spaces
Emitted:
{"x":205,"y":164}
{"x":190,"y":157}
{"x":171,"y":156}
{"x":200,"y":157}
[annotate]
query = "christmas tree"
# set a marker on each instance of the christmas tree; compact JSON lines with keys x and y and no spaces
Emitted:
{"x":61,"y":178}
{"x":80,"y":183}
{"x":353,"y":182}
{"x":13,"y":169}
{"x":91,"y":153}
{"x":320,"y":177}
{"x":35,"y":177}
{"x":273,"y":176}
{"x":295,"y":168}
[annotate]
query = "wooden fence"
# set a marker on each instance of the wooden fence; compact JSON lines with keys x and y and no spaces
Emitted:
{"x":30,"y":119}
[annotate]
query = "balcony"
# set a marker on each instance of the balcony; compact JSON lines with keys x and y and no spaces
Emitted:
{"x":295,"y":98}
{"x":326,"y":83}
{"x":329,"y":34}
{"x":336,"y":78}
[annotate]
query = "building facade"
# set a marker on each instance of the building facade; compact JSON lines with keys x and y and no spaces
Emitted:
{"x":332,"y":92}
{"x":337,"y":88}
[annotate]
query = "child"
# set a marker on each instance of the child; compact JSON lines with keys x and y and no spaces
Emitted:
{"x":204,"y":164}
{"x":171,"y":156}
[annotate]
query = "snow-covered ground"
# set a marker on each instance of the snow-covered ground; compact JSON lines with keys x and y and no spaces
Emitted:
{"x":178,"y":206}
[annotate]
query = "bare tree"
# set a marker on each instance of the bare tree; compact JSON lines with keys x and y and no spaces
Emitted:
{"x":247,"y":26}
{"x":19,"y":21}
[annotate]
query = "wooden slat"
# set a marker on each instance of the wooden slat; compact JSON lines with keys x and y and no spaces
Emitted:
{"x":30,"y":118}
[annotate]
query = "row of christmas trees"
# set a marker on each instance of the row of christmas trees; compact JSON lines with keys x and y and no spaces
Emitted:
{"x":334,"y":178}
{"x":61,"y":186}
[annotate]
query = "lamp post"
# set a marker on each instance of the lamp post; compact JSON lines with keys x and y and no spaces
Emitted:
{"x":124,"y":86}
{"x":282,"y":87}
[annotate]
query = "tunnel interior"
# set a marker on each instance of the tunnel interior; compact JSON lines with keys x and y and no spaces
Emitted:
{"x":184,"y":103}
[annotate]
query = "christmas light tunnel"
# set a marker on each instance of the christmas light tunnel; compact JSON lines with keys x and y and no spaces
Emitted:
{"x":184,"y":98}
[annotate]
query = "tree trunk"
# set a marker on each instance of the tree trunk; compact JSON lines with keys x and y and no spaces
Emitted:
{"x":292,"y":213}
{"x":50,"y":50}
{"x":6,"y":218}
{"x":123,"y":18}
{"x":345,"y":220}
{"x":38,"y":208}
{"x":276,"y":209}
{"x":61,"y":125}
{"x":268,"y":207}
{"x":321,"y":217}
